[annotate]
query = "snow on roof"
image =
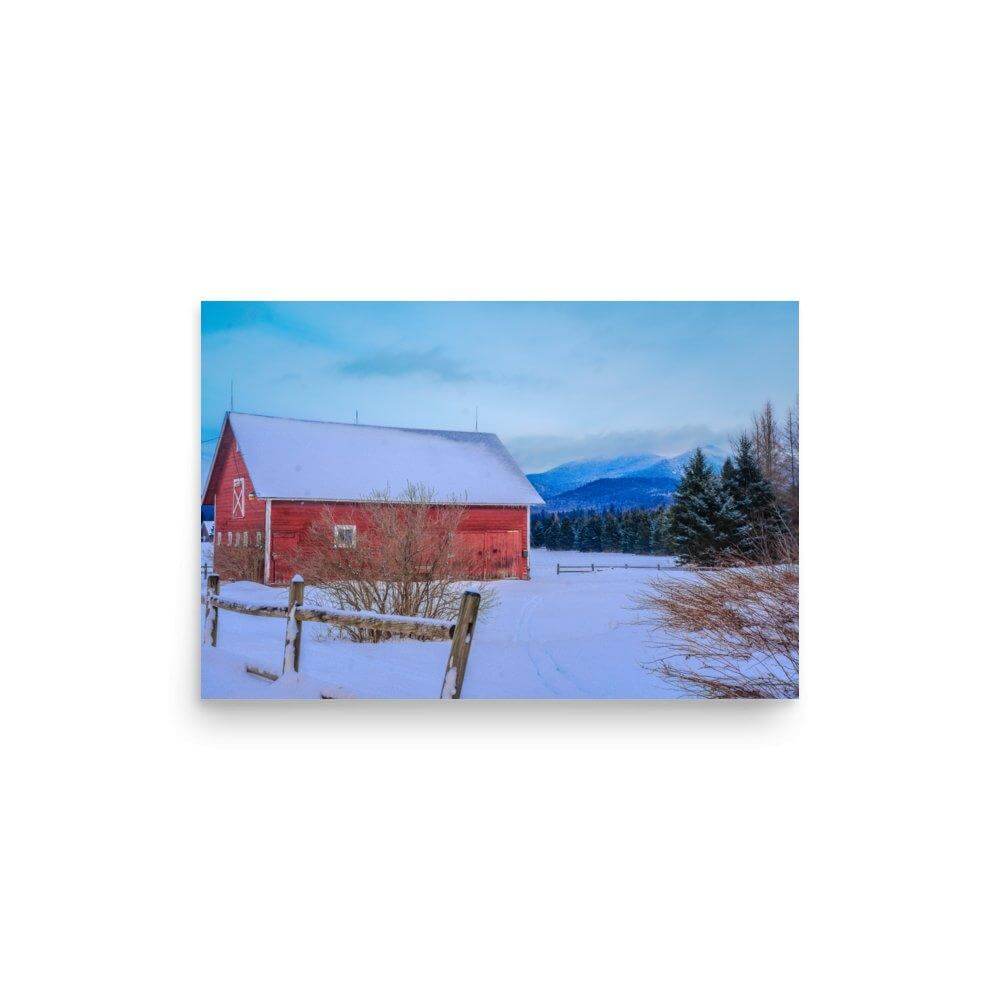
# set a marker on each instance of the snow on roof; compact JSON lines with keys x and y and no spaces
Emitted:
{"x":313,"y":460}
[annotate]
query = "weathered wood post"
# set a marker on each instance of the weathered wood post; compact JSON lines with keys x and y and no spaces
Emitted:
{"x":557,"y":569}
{"x":293,"y":627}
{"x":591,"y":567}
{"x":211,"y":635}
{"x":454,"y":672}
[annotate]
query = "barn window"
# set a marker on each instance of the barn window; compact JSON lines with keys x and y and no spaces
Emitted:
{"x":258,"y":539}
{"x":246,"y":539}
{"x":239,"y":498}
{"x":345,"y":536}
{"x":229,"y":538}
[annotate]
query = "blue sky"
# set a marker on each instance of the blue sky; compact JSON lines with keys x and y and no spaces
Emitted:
{"x":556,"y":381}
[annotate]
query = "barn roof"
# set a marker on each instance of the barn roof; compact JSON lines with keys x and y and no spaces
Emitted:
{"x":313,"y":460}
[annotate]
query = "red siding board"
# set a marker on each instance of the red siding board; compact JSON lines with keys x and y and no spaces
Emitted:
{"x":291,"y":519}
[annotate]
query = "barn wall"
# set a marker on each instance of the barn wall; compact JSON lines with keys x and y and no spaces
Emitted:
{"x":230,"y":466}
{"x":291,"y":519}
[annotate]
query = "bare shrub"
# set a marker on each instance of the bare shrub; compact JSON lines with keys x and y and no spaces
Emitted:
{"x":238,"y":562}
{"x":736,"y":629}
{"x":407,"y":560}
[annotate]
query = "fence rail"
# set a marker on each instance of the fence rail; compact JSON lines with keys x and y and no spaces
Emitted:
{"x":460,"y":631}
{"x":595,"y":567}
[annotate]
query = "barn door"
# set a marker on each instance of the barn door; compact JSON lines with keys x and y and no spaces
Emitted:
{"x":504,"y":552}
{"x":284,"y":552}
{"x":492,"y":554}
{"x":472,"y":545}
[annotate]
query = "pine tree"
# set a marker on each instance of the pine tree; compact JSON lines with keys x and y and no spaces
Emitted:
{"x":537,"y":532}
{"x":753,"y":497}
{"x":538,"y":537}
{"x":728,"y":474}
{"x":703,"y":522}
{"x":567,"y":538}
{"x":642,"y":532}
{"x":661,"y":542}
{"x":549,"y":528}
{"x":732,"y":531}
{"x":590,"y":534}
{"x":627,"y":523}
{"x":611,"y":532}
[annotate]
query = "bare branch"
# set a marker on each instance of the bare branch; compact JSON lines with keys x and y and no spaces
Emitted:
{"x":734,"y":631}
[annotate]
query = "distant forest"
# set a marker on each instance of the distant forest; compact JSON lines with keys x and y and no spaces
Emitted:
{"x":745,"y":513}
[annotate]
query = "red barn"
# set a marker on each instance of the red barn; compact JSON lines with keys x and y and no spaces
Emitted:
{"x":271,"y":476}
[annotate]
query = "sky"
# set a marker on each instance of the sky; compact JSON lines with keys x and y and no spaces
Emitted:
{"x":557,"y":381}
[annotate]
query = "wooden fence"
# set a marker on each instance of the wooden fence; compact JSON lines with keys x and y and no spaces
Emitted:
{"x":460,"y":631}
{"x":595,"y":567}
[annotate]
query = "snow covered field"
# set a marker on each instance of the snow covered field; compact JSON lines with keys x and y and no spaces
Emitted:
{"x":571,"y":635}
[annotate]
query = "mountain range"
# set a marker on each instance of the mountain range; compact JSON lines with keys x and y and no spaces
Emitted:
{"x":641,"y":480}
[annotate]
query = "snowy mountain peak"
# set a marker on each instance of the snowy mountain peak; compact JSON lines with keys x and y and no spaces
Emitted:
{"x":573,"y":475}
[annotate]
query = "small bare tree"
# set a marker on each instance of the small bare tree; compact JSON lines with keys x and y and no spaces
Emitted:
{"x":766,"y":436}
{"x":776,"y":448}
{"x":790,"y":464}
{"x":239,"y":562}
{"x":406,"y":559}
{"x":735,"y":629}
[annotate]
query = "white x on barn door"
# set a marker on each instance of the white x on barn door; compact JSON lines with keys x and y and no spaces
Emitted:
{"x":239,"y":498}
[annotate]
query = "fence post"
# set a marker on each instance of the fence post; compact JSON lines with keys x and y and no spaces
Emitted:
{"x":293,"y":627}
{"x":211,"y":611}
{"x":557,"y":569}
{"x":461,"y":642}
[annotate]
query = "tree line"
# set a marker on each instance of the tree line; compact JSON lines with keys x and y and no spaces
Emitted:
{"x":747,"y":513}
{"x":643,"y":532}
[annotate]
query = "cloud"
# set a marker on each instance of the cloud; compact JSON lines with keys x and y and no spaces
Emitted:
{"x":433,"y":363}
{"x":536,"y":453}
{"x":402,"y":364}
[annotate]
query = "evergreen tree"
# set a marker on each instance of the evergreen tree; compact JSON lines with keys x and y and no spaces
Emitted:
{"x":548,"y":531}
{"x":728,"y":474}
{"x":611,"y":532}
{"x":590,"y":534}
{"x":627,"y":526}
{"x":661,"y":542}
{"x":537,"y":532}
{"x":703,"y":522}
{"x":567,"y":538}
{"x":538,"y":536}
{"x":642,"y":532}
{"x":731,"y":529}
{"x":752,"y":496}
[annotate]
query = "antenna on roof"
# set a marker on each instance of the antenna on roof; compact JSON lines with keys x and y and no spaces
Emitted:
{"x":477,"y":418}
{"x":231,"y":396}
{"x":355,"y":416}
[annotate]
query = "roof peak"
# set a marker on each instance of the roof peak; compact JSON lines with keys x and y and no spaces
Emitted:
{"x":351,"y":423}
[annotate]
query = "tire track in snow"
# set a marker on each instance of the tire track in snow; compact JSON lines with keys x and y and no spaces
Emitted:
{"x":525,"y":636}
{"x":520,"y":640}
{"x":529,"y":606}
